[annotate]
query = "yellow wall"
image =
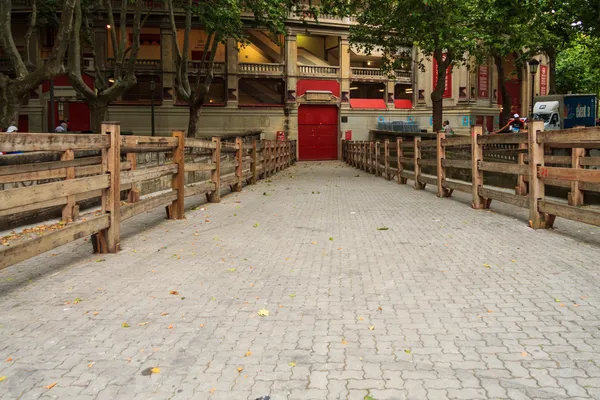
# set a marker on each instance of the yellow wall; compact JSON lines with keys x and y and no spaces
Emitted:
{"x":250,"y":54}
{"x":147,"y":51}
{"x":197,"y":42}
{"x":314,"y":44}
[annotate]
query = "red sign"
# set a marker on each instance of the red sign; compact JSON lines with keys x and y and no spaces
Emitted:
{"x":543,"y":80}
{"x":448,"y":87}
{"x":348,"y":135}
{"x":483,"y":82}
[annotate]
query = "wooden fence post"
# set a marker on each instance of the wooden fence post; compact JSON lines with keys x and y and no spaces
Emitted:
{"x":537,"y":219}
{"x":215,"y":177}
{"x":370,"y":170}
{"x":377,"y":154}
{"x":576,"y":196}
{"x":108,"y":240}
{"x":364,"y":155}
{"x":134,"y":193}
{"x":417,"y":159}
{"x":386,"y":159}
{"x":477,"y":175}
{"x":400,"y":156}
{"x":521,"y":188}
{"x":239,"y":158}
{"x":178,"y":180}
{"x":254,"y":158}
{"x":441,"y":170}
{"x":70,"y":211}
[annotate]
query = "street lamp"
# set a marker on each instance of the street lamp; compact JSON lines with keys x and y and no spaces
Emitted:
{"x":152,"y":89}
{"x":533,"y":67}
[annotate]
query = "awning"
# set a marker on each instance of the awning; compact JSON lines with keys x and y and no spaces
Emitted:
{"x":403,"y":104}
{"x":368,"y":103}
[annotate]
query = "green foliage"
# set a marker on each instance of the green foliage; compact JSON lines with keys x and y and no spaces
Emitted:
{"x":578,"y":66}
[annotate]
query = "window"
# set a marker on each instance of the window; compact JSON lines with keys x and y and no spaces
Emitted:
{"x":216,"y":93}
{"x":142,"y":91}
{"x":265,"y":92}
{"x":364,"y":90}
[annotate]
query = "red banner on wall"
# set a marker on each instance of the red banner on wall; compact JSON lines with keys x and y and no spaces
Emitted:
{"x":543,"y":80}
{"x":483,"y":82}
{"x":448,"y":87}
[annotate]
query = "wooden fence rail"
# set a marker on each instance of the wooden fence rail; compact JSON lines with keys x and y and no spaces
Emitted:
{"x":115,"y":171}
{"x":525,"y":156}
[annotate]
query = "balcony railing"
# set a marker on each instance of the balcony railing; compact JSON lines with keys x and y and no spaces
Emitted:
{"x":378,"y":74}
{"x":261,"y":69}
{"x":140,"y":64}
{"x":319,"y":70}
{"x":218,"y":68}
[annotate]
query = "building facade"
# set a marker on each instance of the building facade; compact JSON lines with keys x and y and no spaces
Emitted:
{"x":310,"y":84}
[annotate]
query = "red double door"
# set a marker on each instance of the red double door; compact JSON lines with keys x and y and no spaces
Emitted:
{"x":317,"y":133}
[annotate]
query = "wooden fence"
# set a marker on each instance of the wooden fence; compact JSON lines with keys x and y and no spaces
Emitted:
{"x":112,"y":176}
{"x":527,"y":156}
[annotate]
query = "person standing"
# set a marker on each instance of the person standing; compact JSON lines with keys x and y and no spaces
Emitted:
{"x":515,"y":125}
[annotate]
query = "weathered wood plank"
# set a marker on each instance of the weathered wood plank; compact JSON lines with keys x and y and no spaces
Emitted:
{"x":464,"y":164}
{"x":48,"y":166}
{"x":147,"y":204}
{"x":505,"y":138}
{"x":199,"y":188}
{"x":590,"y":161}
{"x":129,"y":143}
{"x":199,"y":143}
{"x":509,"y":198}
{"x":577,"y":137}
{"x":51,"y":142}
{"x":465,"y":187}
{"x":429,"y":179}
{"x":537,"y":219}
{"x":196,"y":167}
{"x":569,"y":212}
{"x":34,"y":194}
{"x":145,"y":174}
{"x":428,"y":143}
{"x":569,"y":174}
{"x":503,"y":168}
{"x":456,"y":141}
{"x":427,"y":163}
{"x":178,"y":179}
{"x":24,"y":250}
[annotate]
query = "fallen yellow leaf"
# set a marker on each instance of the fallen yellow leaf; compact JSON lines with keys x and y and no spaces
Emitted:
{"x":2,"y":378}
{"x":292,"y":364}
{"x":344,"y":341}
{"x":174,"y":292}
{"x":240,"y":369}
{"x":50,"y":386}
{"x":9,"y":359}
{"x":170,"y":327}
{"x":263,"y":313}
{"x":212,"y":390}
{"x":155,"y":370}
{"x":96,"y":313}
{"x":524,"y":353}
{"x":248,"y":354}
{"x":371,"y":328}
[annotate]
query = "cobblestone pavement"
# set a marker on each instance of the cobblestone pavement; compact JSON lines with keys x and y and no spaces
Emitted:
{"x":448,"y":302}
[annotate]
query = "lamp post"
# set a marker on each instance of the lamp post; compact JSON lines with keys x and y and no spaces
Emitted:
{"x":533,"y":67}
{"x":152,"y":89}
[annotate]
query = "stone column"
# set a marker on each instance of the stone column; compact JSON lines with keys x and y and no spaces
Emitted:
{"x":390,"y":87}
{"x":231,"y":49}
{"x":345,"y":71}
{"x":291,"y":74}
{"x":291,"y":66}
{"x":167,"y":61}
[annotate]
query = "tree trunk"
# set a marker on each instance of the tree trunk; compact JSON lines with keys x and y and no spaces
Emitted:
{"x":194,"y":123}
{"x":437,"y":95}
{"x":10,"y":104}
{"x":551,"y":53}
{"x":506,"y":100}
{"x":98,"y":112}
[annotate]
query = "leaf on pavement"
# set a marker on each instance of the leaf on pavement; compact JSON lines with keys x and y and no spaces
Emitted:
{"x":170,"y":327}
{"x":383,"y":228}
{"x":331,"y":239}
{"x":50,"y":386}
{"x":2,"y":378}
{"x":174,"y":292}
{"x":232,"y":269}
{"x":125,"y":325}
{"x":487,"y":265}
{"x":407,"y":351}
{"x":344,"y":341}
{"x":263,"y":313}
{"x":240,"y":369}
{"x":524,"y":354}
{"x":292,"y":294}
{"x":292,"y":364}
{"x":372,"y":328}
{"x":248,"y":354}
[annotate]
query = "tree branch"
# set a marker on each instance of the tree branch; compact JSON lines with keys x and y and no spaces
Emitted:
{"x":7,"y":42}
{"x":30,"y":29}
{"x":74,"y":63}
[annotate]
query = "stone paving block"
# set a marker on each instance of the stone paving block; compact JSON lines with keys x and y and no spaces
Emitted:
{"x":444,"y":326}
